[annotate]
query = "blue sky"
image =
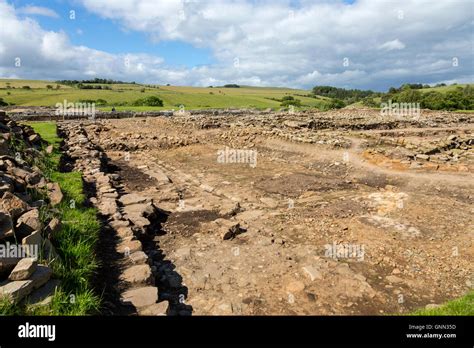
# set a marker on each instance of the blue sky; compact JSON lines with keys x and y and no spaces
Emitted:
{"x":294,"y":43}
{"x":103,"y":34}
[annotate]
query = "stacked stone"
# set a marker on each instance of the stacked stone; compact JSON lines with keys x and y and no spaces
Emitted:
{"x":127,"y":214}
{"x":23,"y":234}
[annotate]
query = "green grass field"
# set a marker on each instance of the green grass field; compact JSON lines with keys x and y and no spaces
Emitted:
{"x":172,"y":96}
{"x":442,"y":89}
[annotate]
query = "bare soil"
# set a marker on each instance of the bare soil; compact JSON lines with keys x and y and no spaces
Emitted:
{"x":351,"y":181}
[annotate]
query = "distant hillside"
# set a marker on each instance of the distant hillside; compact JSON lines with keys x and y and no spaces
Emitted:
{"x":123,"y":96}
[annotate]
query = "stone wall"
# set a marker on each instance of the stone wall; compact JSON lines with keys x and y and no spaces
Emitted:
{"x":24,"y":234}
{"x":127,"y":215}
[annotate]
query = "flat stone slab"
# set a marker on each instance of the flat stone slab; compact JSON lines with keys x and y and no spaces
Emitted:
{"x":13,"y":205}
{"x":129,"y":247}
{"x":16,"y":290}
{"x":140,"y":297}
{"x":138,"y":274}
{"x":28,"y":222}
{"x":156,"y":309}
{"x":55,"y":194}
{"x":41,"y":276}
{"x":138,"y":258}
{"x":108,"y":206}
{"x":34,"y":242}
{"x":44,"y":295}
{"x":140,"y":209}
{"x":159,"y":175}
{"x":133,"y":198}
{"x":24,"y":269}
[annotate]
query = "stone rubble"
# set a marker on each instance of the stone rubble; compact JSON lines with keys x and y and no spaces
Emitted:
{"x":128,"y":214}
{"x":20,"y":223}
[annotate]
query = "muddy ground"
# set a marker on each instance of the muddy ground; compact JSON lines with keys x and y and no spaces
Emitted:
{"x":344,"y":212}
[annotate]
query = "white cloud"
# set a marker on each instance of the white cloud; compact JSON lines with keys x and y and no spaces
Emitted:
{"x":37,"y":10}
{"x":276,"y":44}
{"x":392,"y":45}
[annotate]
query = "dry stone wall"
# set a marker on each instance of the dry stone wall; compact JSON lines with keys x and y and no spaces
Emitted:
{"x":129,"y":216}
{"x":26,"y":248}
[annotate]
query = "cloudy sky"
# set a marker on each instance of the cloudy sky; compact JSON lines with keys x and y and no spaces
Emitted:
{"x":367,"y":44}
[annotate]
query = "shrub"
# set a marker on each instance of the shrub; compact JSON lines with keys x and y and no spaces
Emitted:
{"x":369,"y":102}
{"x":3,"y":103}
{"x":289,"y":100}
{"x":336,"y":104}
{"x":148,"y":101}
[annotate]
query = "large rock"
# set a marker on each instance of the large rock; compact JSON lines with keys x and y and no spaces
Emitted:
{"x":41,"y":276}
{"x":34,"y":139}
{"x":33,"y":242}
{"x":140,"y":297}
{"x":13,"y":205}
{"x":55,"y":194}
{"x":108,"y":206}
{"x":156,"y":309}
{"x":159,"y":175}
{"x":44,"y":295}
{"x":19,"y":172}
{"x":139,"y":221}
{"x":129,"y":246}
{"x":228,"y":229}
{"x":6,"y":225}
{"x":133,"y":198}
{"x":138,"y":258}
{"x":27,"y":223}
{"x":53,"y":228}
{"x":139,"y":274}
{"x":138,"y":213}
{"x":24,"y":269}
{"x":140,"y":209}
{"x":16,"y":290}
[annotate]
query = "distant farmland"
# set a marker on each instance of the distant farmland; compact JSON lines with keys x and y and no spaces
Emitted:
{"x":173,"y":96}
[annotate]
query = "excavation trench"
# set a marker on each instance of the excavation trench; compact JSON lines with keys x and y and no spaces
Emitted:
{"x":121,"y":257}
{"x":167,"y":279}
